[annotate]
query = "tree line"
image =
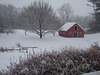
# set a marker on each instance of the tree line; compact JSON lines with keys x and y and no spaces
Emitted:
{"x":95,"y":24}
{"x":8,"y":16}
{"x":40,"y":17}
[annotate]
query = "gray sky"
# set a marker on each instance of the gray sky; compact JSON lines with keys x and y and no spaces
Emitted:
{"x":79,"y":6}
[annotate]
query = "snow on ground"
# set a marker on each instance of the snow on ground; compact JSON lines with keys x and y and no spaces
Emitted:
{"x":93,"y":73}
{"x":48,"y":42}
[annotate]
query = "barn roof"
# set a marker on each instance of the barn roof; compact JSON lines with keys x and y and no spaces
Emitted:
{"x":68,"y":25}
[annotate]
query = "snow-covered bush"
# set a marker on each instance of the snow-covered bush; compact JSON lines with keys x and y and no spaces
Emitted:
{"x":1,"y":49}
{"x":66,"y":62}
{"x":18,"y":44}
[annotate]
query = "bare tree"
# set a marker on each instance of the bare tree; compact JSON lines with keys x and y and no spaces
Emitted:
{"x":39,"y":16}
{"x":65,"y":12}
{"x":84,"y":21}
{"x":2,"y":17}
{"x":24,"y":20}
{"x":8,"y":16}
{"x":1,"y":23}
{"x":95,"y":4}
{"x":55,"y":25}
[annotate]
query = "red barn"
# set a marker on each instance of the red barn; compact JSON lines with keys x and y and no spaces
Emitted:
{"x":71,"y":29}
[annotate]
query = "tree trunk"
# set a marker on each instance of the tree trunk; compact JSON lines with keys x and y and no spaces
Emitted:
{"x":40,"y":32}
{"x":25,"y":32}
{"x":53,"y":34}
{"x":40,"y":36}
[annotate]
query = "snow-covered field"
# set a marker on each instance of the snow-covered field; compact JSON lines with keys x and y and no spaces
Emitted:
{"x":48,"y":43}
{"x":93,"y":73}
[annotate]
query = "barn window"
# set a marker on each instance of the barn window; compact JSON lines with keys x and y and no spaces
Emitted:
{"x":80,"y":33}
{"x":60,"y":32}
{"x":70,"y":33}
{"x":64,"y":33}
{"x":75,"y":28}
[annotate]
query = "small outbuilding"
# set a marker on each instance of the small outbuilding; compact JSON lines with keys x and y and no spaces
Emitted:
{"x":71,"y":29}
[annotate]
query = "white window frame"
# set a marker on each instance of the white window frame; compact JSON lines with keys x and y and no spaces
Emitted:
{"x":80,"y":33}
{"x":75,"y":27}
{"x":70,"y":33}
{"x":64,"y":33}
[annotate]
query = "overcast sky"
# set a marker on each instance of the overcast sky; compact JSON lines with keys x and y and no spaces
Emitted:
{"x":79,"y":6}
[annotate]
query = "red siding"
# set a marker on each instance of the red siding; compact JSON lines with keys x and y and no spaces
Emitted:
{"x":79,"y":31}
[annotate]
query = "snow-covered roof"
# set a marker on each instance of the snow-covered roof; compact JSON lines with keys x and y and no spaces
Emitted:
{"x":68,"y":25}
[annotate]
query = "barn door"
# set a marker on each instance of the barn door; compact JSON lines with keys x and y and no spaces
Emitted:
{"x":75,"y":34}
